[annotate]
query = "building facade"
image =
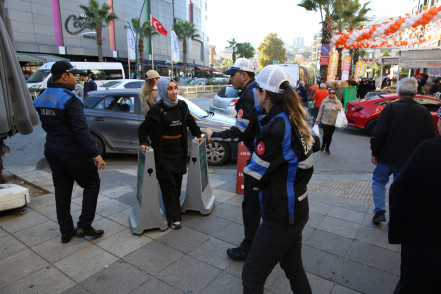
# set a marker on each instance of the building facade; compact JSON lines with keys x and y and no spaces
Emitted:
{"x":52,"y":28}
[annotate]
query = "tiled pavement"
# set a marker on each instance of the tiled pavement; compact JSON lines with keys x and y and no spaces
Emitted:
{"x":342,"y":253}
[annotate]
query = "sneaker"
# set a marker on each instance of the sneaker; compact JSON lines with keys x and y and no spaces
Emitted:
{"x":238,"y":254}
{"x":380,"y":216}
{"x":176,"y":225}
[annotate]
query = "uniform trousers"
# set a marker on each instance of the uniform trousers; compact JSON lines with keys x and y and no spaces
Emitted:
{"x":68,"y":168}
{"x":275,"y":242}
{"x":251,"y":211}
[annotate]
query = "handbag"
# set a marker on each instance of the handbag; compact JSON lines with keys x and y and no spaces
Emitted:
{"x":316,"y":144}
{"x":342,"y":121}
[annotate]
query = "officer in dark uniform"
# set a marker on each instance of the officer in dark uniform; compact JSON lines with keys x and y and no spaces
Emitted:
{"x":70,"y":150}
{"x":282,"y":167}
{"x":246,"y":129}
{"x":166,"y":124}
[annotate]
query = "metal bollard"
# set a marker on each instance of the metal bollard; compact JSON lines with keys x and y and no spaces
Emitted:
{"x":198,"y":196}
{"x":147,"y":213}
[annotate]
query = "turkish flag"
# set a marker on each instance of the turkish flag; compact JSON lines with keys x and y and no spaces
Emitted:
{"x":158,"y":26}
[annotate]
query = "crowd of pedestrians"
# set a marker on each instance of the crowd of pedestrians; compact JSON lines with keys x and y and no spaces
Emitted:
{"x":272,"y":123}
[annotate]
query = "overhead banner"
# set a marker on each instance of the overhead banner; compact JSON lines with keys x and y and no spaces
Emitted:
{"x":346,"y":65}
{"x":131,"y":43}
{"x":332,"y":67}
{"x":358,"y":69}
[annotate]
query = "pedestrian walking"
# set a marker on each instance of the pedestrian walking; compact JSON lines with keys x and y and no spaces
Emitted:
{"x":318,"y":97}
{"x":414,"y":219}
{"x":78,"y":88}
{"x":401,"y":127}
{"x":327,"y":116}
{"x":281,"y":168}
{"x":362,"y":88}
{"x":70,"y":150}
{"x":246,"y":129}
{"x":165,"y":129}
{"x":303,"y":95}
{"x":339,"y":92}
{"x":89,"y":84}
{"x":149,"y":92}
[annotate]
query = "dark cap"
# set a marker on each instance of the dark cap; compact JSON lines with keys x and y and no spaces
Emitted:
{"x":63,"y":66}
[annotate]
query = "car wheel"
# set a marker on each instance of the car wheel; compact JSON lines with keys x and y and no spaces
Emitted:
{"x":100,"y":145}
{"x":370,"y":126}
{"x":218,"y":153}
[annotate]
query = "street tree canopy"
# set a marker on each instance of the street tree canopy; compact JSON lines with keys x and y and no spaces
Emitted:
{"x":226,"y":64}
{"x":245,"y":50}
{"x":271,"y":49}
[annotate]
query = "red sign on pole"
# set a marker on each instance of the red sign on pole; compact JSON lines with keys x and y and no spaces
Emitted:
{"x":324,"y":59}
{"x":242,"y":158}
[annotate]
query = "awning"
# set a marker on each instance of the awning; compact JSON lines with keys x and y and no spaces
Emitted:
{"x":203,"y":68}
{"x":216,"y":70}
{"x":36,"y":57}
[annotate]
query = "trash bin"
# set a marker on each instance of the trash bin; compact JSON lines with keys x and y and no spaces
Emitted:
{"x":349,"y":94}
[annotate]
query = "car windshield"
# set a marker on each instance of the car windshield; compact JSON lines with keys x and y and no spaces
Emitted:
{"x":196,"y":110}
{"x":228,"y":92}
{"x":39,"y":76}
{"x":111,"y":83}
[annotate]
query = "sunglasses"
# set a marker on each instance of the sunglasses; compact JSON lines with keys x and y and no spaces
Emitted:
{"x":332,"y":92}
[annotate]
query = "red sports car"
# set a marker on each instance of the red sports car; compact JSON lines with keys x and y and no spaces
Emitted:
{"x":364,"y":113}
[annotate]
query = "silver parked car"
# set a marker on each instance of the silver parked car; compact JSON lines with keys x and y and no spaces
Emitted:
{"x":122,"y":84}
{"x":114,"y":116}
{"x":224,"y":101}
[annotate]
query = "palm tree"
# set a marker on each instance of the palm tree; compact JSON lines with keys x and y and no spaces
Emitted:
{"x":326,"y":9}
{"x":185,"y":30}
{"x":245,"y":50}
{"x":233,"y":46}
{"x":348,"y":14}
{"x":144,"y":31}
{"x":96,"y":17}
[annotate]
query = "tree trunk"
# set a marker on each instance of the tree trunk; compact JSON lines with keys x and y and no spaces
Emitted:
{"x":326,"y":39}
{"x":340,"y":59}
{"x":185,"y":56}
{"x":141,"y":57}
{"x":234,"y":56}
{"x":99,"y":42}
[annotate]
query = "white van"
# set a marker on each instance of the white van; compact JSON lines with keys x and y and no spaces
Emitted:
{"x":294,"y":73}
{"x":102,"y":72}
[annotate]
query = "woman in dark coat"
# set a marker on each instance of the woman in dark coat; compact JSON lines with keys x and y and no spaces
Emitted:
{"x":165,"y":129}
{"x":415,"y":222}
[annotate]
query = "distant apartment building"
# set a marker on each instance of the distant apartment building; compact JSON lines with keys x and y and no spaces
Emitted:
{"x":298,"y":42}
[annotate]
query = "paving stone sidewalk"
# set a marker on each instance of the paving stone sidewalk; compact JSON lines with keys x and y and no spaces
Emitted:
{"x":343,"y":251}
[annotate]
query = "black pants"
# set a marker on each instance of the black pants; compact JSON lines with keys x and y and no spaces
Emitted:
{"x":315,"y":112}
{"x":328,"y":131}
{"x":420,"y":270}
{"x":251,"y":211}
{"x":170,"y":183}
{"x":67,"y":168}
{"x":275,"y":243}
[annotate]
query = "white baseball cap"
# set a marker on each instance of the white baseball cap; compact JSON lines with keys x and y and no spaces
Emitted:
{"x":271,"y":77}
{"x":242,"y":64}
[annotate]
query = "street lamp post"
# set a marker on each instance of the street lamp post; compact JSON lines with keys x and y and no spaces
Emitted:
{"x":136,"y":40}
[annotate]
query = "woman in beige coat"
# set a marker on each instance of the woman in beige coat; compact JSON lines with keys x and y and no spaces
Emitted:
{"x":327,"y":116}
{"x":149,"y":93}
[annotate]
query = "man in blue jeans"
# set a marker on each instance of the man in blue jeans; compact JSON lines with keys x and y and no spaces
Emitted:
{"x":401,"y":127}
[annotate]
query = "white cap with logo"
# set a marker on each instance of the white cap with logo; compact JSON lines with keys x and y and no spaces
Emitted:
{"x":271,"y":77}
{"x":242,"y":64}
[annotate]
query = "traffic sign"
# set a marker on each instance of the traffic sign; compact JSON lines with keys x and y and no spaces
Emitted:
{"x":275,"y":62}
{"x":326,"y":49}
{"x":324,"y":59}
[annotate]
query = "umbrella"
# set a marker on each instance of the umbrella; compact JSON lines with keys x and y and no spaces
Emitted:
{"x":17,"y":113}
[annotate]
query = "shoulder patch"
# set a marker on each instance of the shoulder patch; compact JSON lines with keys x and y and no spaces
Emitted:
{"x":260,"y":148}
{"x":240,"y":113}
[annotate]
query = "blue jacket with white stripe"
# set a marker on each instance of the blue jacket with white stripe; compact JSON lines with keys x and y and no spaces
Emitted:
{"x":282,"y":165}
{"x":62,"y":117}
{"x":248,"y":118}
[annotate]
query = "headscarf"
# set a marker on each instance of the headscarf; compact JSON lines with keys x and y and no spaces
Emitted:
{"x":162,"y":91}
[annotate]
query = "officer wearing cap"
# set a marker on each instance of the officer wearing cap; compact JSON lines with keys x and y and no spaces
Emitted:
{"x":246,"y":129}
{"x":70,"y":150}
{"x":281,"y":167}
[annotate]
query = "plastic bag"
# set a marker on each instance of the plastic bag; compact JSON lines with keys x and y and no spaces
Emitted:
{"x":342,"y":121}
{"x":315,"y":130}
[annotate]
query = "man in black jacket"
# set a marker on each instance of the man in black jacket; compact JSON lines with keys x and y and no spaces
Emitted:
{"x":70,"y":150}
{"x":401,"y":127}
{"x":247,"y":127}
